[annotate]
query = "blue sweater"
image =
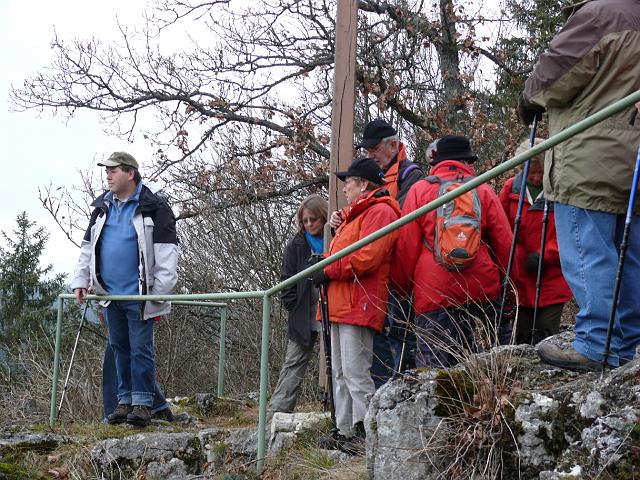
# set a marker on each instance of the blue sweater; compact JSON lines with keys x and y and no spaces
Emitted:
{"x":119,"y":247}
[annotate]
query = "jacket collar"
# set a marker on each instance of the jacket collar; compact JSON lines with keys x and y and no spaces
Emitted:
{"x":391,"y":171}
{"x":448,"y":168}
{"x":147,"y":200}
{"x":365,"y":200}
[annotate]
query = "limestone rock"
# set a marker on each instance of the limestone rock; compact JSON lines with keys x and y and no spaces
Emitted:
{"x":400,"y":418}
{"x":285,"y":427}
{"x":534,"y":416}
{"x":129,"y":454}
{"x":41,"y":442}
{"x":536,"y":420}
{"x":174,"y":469}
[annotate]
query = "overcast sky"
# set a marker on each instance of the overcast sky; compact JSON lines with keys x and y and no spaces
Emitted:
{"x":39,"y":149}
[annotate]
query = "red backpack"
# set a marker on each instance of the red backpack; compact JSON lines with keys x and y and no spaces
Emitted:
{"x":457,"y":231}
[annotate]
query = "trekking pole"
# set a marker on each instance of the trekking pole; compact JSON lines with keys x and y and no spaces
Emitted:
{"x":402,"y":350}
{"x":326,"y":338}
{"x":543,"y":242}
{"x":73,"y":355}
{"x":516,"y":223}
{"x":621,"y":257}
{"x":407,"y":319}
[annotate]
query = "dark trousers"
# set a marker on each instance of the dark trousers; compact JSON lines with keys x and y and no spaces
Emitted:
{"x":446,"y":336}
{"x":547,"y":323}
{"x":387,"y":346}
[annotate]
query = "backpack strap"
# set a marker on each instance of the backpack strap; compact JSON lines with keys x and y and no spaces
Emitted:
{"x":433,"y":179}
{"x":408,"y":168}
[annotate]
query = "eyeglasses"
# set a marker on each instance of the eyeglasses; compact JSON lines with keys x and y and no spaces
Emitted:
{"x":309,"y":220}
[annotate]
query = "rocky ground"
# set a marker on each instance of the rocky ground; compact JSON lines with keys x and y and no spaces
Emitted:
{"x":506,"y":414}
{"x":211,"y":438}
{"x":502,"y":414}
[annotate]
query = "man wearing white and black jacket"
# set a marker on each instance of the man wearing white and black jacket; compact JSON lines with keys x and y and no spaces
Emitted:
{"x":129,"y":248}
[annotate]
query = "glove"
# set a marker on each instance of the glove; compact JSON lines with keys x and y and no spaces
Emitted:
{"x":315,"y":258}
{"x":319,"y":278}
{"x":527,"y":111}
{"x":531,"y":263}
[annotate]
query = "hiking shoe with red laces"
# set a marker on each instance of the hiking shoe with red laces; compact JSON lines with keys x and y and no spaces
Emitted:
{"x":120,"y":414}
{"x":567,"y":358}
{"x":139,"y":416}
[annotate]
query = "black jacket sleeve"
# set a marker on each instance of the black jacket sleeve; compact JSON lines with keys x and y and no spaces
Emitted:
{"x":289,"y":269}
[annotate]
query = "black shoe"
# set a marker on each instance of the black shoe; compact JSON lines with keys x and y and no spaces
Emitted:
{"x":331,"y":440}
{"x":165,"y":414}
{"x":139,"y":416}
{"x":120,"y":414}
{"x":355,"y":445}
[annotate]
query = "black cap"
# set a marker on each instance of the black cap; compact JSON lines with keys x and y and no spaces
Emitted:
{"x":454,"y":147}
{"x":363,"y":168}
{"x":374,"y":132}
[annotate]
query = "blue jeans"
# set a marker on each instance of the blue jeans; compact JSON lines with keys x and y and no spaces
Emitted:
{"x":589,"y":244}
{"x":110,"y":387}
{"x":131,"y":339}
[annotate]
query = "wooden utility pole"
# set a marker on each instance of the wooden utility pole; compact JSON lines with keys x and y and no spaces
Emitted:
{"x":342,"y":111}
{"x":342,"y":106}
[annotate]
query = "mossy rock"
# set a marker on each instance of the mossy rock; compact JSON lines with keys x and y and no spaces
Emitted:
{"x":9,"y":471}
{"x":454,"y":390}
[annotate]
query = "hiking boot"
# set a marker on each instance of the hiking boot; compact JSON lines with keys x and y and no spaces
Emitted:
{"x":120,"y":414}
{"x":139,"y":416}
{"x":331,"y":440}
{"x":355,"y":445}
{"x":567,"y":358}
{"x":165,"y":414}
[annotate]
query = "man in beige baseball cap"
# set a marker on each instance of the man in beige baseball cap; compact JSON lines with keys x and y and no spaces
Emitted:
{"x":130,"y":248}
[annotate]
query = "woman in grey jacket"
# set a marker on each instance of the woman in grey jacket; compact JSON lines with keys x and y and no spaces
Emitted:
{"x":301,"y":301}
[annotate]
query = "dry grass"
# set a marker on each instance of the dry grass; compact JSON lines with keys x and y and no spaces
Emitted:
{"x":476,"y":401}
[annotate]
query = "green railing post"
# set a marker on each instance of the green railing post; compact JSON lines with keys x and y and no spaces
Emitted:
{"x":264,"y":377}
{"x":56,"y":365}
{"x":221,"y":353}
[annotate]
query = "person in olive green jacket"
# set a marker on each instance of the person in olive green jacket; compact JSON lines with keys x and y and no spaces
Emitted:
{"x":592,"y":62}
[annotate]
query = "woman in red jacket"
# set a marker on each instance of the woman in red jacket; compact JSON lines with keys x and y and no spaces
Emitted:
{"x":357,"y":295}
{"x":554,"y":291}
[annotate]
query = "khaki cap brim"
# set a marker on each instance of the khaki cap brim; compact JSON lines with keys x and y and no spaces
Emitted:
{"x":109,"y":163}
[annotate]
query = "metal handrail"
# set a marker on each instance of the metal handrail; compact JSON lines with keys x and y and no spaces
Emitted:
{"x":56,"y":356}
{"x":266,"y":295}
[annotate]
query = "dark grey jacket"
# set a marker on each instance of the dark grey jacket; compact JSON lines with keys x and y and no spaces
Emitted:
{"x":298,"y":299}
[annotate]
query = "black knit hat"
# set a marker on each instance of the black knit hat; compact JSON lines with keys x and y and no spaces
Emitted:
{"x":374,"y":132}
{"x":363,"y":168}
{"x":454,"y":147}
